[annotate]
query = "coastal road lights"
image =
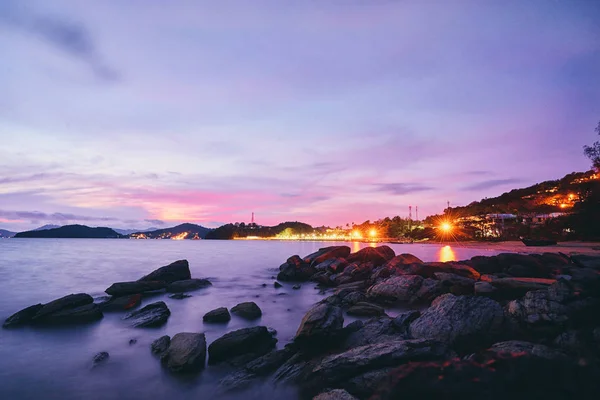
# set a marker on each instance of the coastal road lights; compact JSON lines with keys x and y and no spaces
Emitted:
{"x":446,"y":227}
{"x":373,"y":233}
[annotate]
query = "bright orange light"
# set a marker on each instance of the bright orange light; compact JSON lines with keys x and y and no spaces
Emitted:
{"x":181,"y":236}
{"x":563,"y":206}
{"x":356,"y":234}
{"x":446,"y":227}
{"x":372,"y":233}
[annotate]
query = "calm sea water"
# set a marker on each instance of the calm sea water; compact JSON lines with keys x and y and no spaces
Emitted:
{"x":56,"y":363}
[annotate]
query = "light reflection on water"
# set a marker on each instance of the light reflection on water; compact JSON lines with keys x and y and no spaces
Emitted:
{"x":55,"y":362}
{"x":446,"y":254}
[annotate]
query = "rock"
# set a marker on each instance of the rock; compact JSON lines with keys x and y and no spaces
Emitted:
{"x":453,"y":279}
{"x":160,"y":345}
{"x":121,"y":303}
{"x":484,"y":288}
{"x":397,"y":288}
{"x":296,"y":287}
{"x":485,"y":265}
{"x":491,"y":376}
{"x":176,"y":271}
{"x":74,"y":308}
{"x":100,"y":358}
{"x":327,"y":253}
{"x":403,"y":259}
{"x":335,"y":370}
{"x":295,"y":269}
{"x":187,"y":352}
{"x":426,"y":270}
{"x":179,"y":296}
{"x":538,"y":308}
{"x":365,"y":309}
{"x":132,"y":341}
{"x":277,"y":285}
{"x":336,"y":394}
{"x":255,"y":369}
{"x":152,"y":315}
{"x":64,"y":303}
{"x":322,"y":278}
{"x":402,"y":321}
{"x":517,"y":287}
{"x":430,"y":289}
{"x":354,"y":272}
{"x":217,"y":315}
{"x":376,"y":255}
{"x":241,"y":346}
{"x":517,"y":347}
{"x":320,"y":325}
{"x":375,"y":330}
{"x":292,"y":370}
{"x":247,"y":310}
{"x":334,"y":265}
{"x":188,"y":285}
{"x":586,"y":261}
{"x":22,"y":317}
{"x":351,"y":298}
{"x":131,"y":288}
{"x":465,"y":321}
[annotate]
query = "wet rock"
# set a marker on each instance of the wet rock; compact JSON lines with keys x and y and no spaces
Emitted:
{"x":188,"y":285}
{"x":335,"y":370}
{"x":256,"y":369}
{"x":240,"y":346}
{"x":493,"y":376}
{"x":247,"y":310}
{"x":365,"y":309}
{"x":292,"y":370}
{"x":217,"y":315}
{"x":402,"y":321}
{"x":22,"y":317}
{"x":327,"y":253}
{"x":321,"y":325}
{"x":296,"y":287}
{"x":87,"y":313}
{"x":517,"y":347}
{"x":333,"y":265}
{"x":354,"y":272}
{"x":351,"y":298}
{"x":397,"y":288}
{"x":517,"y":287}
{"x":375,"y":330}
{"x":376,"y":255}
{"x":152,"y":315}
{"x":179,"y":296}
{"x":187,"y":352}
{"x":322,"y":278}
{"x":74,"y":308}
{"x":336,"y":394}
{"x":484,"y":288}
{"x":131,"y":288}
{"x":100,"y":358}
{"x":176,"y":271}
{"x":121,"y":303}
{"x":430,"y":289}
{"x":295,"y":269}
{"x":466,"y":321}
{"x":539,"y":309}
{"x":277,"y":285}
{"x":160,"y":345}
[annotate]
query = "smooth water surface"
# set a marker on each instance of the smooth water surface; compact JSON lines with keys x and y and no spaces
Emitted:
{"x":56,"y":363}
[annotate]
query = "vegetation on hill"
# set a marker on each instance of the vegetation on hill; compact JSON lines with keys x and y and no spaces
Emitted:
{"x":183,"y":231}
{"x":242,"y":230}
{"x":72,"y":232}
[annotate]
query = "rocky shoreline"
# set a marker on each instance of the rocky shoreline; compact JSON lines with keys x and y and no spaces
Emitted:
{"x":524,"y":326}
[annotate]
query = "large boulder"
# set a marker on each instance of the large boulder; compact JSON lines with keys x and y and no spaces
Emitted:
{"x":375,"y":330}
{"x":321,"y":325}
{"x":218,"y":315}
{"x":333,"y":265}
{"x":128,"y":288}
{"x":336,"y":394}
{"x":121,"y":303}
{"x":176,"y":271}
{"x":430,"y":289}
{"x":74,"y":308}
{"x":377,"y":255}
{"x":187,"y":352}
{"x":465,"y":321}
{"x":364,"y":309}
{"x":188,"y":285}
{"x":327,"y":253}
{"x":397,"y":288}
{"x":255,"y":369}
{"x":241,"y":346}
{"x":295,"y":269}
{"x":336,"y":370}
{"x":354,"y":272}
{"x":518,"y":347}
{"x":516,"y":287}
{"x":152,"y":315}
{"x":248,"y":310}
{"x":160,"y":345}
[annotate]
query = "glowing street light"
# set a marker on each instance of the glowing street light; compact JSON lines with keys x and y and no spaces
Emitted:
{"x":372,"y":233}
{"x":446,"y":227}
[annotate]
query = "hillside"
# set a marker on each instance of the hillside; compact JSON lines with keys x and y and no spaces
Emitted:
{"x":71,"y":232}
{"x":183,"y":231}
{"x":232,"y":231}
{"x":6,"y":234}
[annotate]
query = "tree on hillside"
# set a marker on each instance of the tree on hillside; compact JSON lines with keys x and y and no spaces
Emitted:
{"x":593,"y":152}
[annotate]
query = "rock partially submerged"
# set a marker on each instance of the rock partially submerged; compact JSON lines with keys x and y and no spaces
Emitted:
{"x":320,"y":325}
{"x":121,"y":303}
{"x":23,"y":317}
{"x":248,"y":310}
{"x":186,"y":352}
{"x":218,"y":315}
{"x":152,"y":315}
{"x":176,"y":271}
{"x":326,"y":253}
{"x":129,"y":288}
{"x":295,"y":269}
{"x":188,"y":285}
{"x":100,"y":358}
{"x":240,"y":346}
{"x":160,"y":345}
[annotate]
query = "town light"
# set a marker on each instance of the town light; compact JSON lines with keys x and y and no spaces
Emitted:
{"x":446,"y":227}
{"x":373,"y":233}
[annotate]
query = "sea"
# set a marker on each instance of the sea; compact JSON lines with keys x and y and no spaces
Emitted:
{"x":56,"y":362}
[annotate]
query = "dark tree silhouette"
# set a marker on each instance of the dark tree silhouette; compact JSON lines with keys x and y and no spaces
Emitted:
{"x":593,"y":152}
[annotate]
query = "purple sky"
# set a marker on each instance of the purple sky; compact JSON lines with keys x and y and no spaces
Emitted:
{"x":147,"y":113}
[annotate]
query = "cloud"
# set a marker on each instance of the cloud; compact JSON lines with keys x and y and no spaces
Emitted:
{"x":37,"y":216}
{"x":402,"y":188}
{"x":492,"y":183}
{"x":155,"y":221}
{"x":68,"y":36}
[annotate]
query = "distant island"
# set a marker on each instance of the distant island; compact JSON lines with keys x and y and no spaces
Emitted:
{"x":72,"y":232}
{"x":6,"y":234}
{"x":179,"y":232}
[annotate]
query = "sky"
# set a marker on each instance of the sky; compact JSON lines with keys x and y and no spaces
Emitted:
{"x":133,"y":114}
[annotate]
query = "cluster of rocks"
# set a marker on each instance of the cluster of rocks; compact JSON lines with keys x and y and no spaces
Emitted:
{"x":489,"y":327}
{"x":123,"y":296}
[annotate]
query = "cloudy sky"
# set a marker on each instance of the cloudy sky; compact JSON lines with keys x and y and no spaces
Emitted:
{"x":147,"y":113}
